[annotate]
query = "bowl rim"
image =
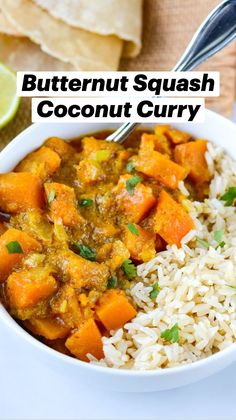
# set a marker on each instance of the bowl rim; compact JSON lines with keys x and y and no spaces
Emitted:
{"x":112,"y":371}
{"x":11,"y":323}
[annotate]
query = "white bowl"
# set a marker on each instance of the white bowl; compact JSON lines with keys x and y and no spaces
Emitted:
{"x":216,"y":129}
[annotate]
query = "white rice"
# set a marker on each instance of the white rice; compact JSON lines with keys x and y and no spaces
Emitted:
{"x":194,"y":287}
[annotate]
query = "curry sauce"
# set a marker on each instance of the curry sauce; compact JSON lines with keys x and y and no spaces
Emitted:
{"x":83,"y":215}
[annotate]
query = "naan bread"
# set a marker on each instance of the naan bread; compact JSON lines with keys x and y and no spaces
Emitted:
{"x":105,"y":17}
{"x":6,"y":27}
{"x":82,"y":49}
{"x":23,"y":55}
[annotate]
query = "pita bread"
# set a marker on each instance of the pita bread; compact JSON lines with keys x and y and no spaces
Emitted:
{"x":82,"y":49}
{"x":105,"y":17}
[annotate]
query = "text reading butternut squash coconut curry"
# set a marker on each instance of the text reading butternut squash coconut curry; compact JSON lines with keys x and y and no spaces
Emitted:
{"x":114,"y":253}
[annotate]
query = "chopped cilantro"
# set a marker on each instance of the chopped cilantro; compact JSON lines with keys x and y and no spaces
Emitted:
{"x":229,"y":196}
{"x":84,"y":251}
{"x":218,"y":236}
{"x":202,"y":243}
{"x":132,"y":182}
{"x":85,"y":202}
{"x":130,"y":167}
{"x":171,"y":334}
{"x":132,"y":228}
{"x":51,"y":196}
{"x":14,"y":247}
{"x":155,"y":290}
{"x":112,"y":282}
{"x":129,"y":269}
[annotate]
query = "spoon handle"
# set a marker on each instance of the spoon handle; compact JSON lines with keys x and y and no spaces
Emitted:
{"x":217,"y":31}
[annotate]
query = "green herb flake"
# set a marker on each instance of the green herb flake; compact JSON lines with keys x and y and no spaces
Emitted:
{"x":84,"y":251}
{"x":232,"y":287}
{"x":229,"y":196}
{"x":218,"y":236}
{"x":112,"y":282}
{"x":155,"y":290}
{"x":14,"y":247}
{"x":85,"y":202}
{"x":133,"y":229}
{"x":132,"y":182}
{"x":171,"y":334}
{"x":130,"y":167}
{"x":202,"y":243}
{"x":129,"y":269}
{"x":51,"y":196}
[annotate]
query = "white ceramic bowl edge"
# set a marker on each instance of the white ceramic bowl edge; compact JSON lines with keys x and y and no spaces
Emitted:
{"x":216,"y":129}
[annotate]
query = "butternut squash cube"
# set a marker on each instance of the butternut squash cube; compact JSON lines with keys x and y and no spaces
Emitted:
{"x":140,"y":245}
{"x":135,"y":204}
{"x":87,"y":340}
{"x":10,"y":259}
{"x":171,"y":221}
{"x":49,"y":328}
{"x":27,"y":287}
{"x":59,"y":146}
{"x":62,"y":203}
{"x":114,"y":309}
{"x":42,"y":163}
{"x":192,"y":156}
{"x":20,"y":192}
{"x":160,"y":167}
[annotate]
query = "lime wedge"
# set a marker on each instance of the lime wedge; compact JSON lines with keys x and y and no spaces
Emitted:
{"x":9,"y":102}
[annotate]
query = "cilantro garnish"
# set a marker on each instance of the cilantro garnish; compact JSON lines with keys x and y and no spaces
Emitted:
{"x":129,"y":269}
{"x":171,"y":334}
{"x":133,"y":229}
{"x":155,"y":290}
{"x":229,"y":196}
{"x":130,"y":167}
{"x":84,"y":251}
{"x":51,"y":196}
{"x":112,"y":282}
{"x":218,"y":236}
{"x":132,"y":182}
{"x":85,"y":202}
{"x":14,"y":247}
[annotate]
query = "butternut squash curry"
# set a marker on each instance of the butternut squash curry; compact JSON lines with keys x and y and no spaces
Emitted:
{"x":77,"y":218}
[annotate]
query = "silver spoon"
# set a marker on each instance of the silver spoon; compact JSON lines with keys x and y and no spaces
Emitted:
{"x":216,"y":31}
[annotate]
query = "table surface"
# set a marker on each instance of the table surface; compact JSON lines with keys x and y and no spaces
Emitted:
{"x":31,"y":390}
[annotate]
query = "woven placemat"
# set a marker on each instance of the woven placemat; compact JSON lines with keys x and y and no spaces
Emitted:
{"x":21,"y":121}
{"x":167,"y":29}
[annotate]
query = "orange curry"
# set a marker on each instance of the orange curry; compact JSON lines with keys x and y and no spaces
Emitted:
{"x":78,"y":217}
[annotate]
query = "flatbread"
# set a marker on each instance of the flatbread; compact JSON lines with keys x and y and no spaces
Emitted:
{"x":105,"y":17}
{"x":23,"y":55}
{"x":6,"y":27}
{"x":83,"y":49}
